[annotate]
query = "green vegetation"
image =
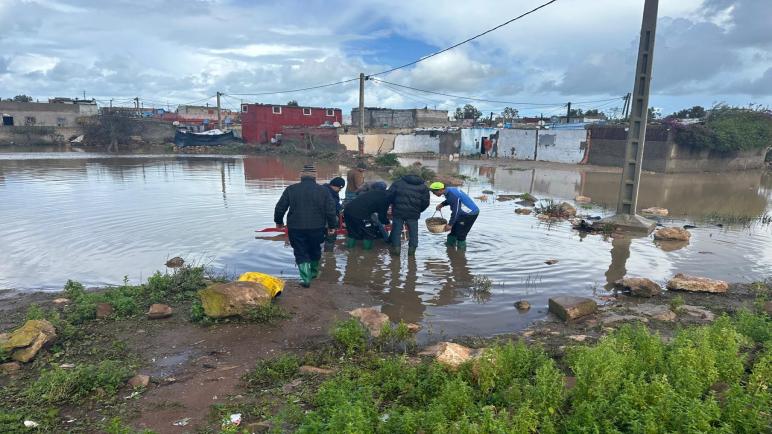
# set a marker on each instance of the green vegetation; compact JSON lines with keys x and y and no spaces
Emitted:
{"x":706,"y":379}
{"x":422,"y":172}
{"x":677,"y":303}
{"x":350,"y":336}
{"x":387,"y":160}
{"x":728,"y":129}
{"x":58,"y":385}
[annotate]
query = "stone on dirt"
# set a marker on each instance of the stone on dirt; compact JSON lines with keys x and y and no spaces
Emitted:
{"x":10,"y":367}
{"x":566,"y":210}
{"x":698,"y":312}
{"x":159,"y":310}
{"x":234,"y":298}
{"x":175,"y":262}
{"x":103,"y":310}
{"x":372,"y":318}
{"x":582,"y":199}
{"x":139,"y":380}
{"x":672,"y":234}
{"x":683,"y":282}
{"x":313,"y":370}
{"x":523,"y":211}
{"x":569,"y":307}
{"x":413,"y":327}
{"x":613,"y":318}
{"x":24,"y":343}
{"x":522,"y":305}
{"x":661,"y":212}
{"x":654,"y":311}
{"x":639,"y":286}
{"x":450,"y":354}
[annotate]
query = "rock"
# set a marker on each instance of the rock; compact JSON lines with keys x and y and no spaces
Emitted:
{"x":158,"y":311}
{"x":569,"y":307}
{"x":139,"y":380}
{"x":654,"y":311}
{"x":10,"y":367}
{"x":639,"y":286}
{"x":413,"y":328}
{"x":670,"y":246}
{"x":506,"y":197}
{"x":523,"y":211}
{"x":661,"y":212}
{"x":551,"y":261}
{"x":682,"y":282}
{"x":672,"y":234}
{"x":613,"y":318}
{"x":522,"y":305}
{"x":313,"y":370}
{"x":25,"y":342}
{"x":371,"y":318}
{"x":175,"y":262}
{"x":234,"y":298}
{"x":578,"y":338}
{"x":697,"y":312}
{"x":61,"y":301}
{"x":450,"y":354}
{"x":566,"y":210}
{"x":103,"y":310}
{"x":582,"y":199}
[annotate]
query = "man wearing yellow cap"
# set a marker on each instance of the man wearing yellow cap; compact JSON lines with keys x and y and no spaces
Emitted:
{"x":463,"y":213}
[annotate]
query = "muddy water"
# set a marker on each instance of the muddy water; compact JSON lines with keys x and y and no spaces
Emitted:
{"x":98,"y":218}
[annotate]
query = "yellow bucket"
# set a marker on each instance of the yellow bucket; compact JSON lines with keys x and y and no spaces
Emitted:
{"x":274,"y":285}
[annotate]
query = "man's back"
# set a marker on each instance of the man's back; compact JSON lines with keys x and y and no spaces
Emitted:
{"x":410,"y":197}
{"x":367,"y":203}
{"x":310,"y":206}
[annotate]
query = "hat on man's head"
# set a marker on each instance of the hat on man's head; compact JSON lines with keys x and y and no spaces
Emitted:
{"x":379,"y":185}
{"x":436,"y":186}
{"x":338,"y":182}
{"x":308,"y":170}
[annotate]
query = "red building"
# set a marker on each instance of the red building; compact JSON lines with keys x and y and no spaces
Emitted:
{"x":262,"y":122}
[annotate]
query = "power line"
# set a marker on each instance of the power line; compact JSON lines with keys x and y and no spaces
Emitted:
{"x":465,"y":41}
{"x":295,"y":90}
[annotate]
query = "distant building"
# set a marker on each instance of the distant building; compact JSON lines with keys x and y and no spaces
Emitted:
{"x":64,"y":112}
{"x":199,"y":113}
{"x":401,"y":118}
{"x":261,"y":123}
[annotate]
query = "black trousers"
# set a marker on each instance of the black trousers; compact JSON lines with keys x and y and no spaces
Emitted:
{"x":462,"y":226}
{"x":306,"y":244}
{"x":360,"y":229}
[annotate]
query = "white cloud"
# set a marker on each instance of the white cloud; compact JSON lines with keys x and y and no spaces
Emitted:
{"x":258,"y":50}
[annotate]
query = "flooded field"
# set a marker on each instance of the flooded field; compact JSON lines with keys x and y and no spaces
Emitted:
{"x":97,"y":218}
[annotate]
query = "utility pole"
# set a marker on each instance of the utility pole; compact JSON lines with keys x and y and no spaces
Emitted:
{"x":84,"y":95}
{"x":219,"y":114}
{"x":361,"y":135}
{"x":111,"y":105}
{"x":136,"y":105}
{"x":627,"y":203}
{"x":568,"y":113}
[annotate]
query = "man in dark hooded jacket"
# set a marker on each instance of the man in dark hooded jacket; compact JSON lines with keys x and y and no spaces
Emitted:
{"x":409,"y":198}
{"x":359,"y":215}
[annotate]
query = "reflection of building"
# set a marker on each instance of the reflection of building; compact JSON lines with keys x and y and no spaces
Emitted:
{"x":274,"y":168}
{"x":51,"y":114}
{"x":261,"y":123}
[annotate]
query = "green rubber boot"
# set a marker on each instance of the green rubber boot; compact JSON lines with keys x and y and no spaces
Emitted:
{"x":314,"y":269}
{"x":367,"y":244}
{"x":305,"y":274}
{"x":395,"y":250}
{"x":411,"y":251}
{"x":461,"y":245}
{"x":451,"y":241}
{"x":351,"y":242}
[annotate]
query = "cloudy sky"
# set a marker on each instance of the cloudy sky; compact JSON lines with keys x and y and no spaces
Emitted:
{"x":181,"y":51}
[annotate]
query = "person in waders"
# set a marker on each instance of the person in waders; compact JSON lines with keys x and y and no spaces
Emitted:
{"x":311,"y":210}
{"x":409,"y":198}
{"x":365,"y":214}
{"x":463,"y":213}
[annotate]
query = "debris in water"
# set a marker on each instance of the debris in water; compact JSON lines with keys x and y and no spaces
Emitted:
{"x":522,"y":305}
{"x":551,"y":261}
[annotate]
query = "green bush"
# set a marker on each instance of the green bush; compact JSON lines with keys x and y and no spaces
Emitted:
{"x":350,"y":336}
{"x":387,"y":160}
{"x":422,"y":172}
{"x":57,"y":385}
{"x":270,"y":372}
{"x":729,"y":129}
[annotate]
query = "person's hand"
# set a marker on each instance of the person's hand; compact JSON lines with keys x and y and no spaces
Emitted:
{"x":447,"y":228}
{"x":331,"y":231}
{"x":439,"y":207}
{"x":279,"y":226}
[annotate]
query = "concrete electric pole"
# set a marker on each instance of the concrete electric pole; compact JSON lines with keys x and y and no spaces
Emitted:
{"x":568,"y":113}
{"x":626,"y":218}
{"x":219,"y":113}
{"x":361,"y":135}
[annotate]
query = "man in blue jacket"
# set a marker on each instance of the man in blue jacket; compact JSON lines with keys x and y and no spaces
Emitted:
{"x":463,"y":213}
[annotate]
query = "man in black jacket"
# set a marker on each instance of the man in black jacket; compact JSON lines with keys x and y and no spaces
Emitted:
{"x":409,"y":197}
{"x":311,"y":209}
{"x":359,"y":213}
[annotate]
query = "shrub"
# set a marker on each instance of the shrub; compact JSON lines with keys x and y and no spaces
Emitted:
{"x":350,"y":336}
{"x":57,"y":385}
{"x":266,"y":314}
{"x":422,"y":172}
{"x":729,"y":129}
{"x":270,"y":372}
{"x":387,"y":160}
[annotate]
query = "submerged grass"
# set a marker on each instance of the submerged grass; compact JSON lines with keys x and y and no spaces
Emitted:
{"x":711,"y":378}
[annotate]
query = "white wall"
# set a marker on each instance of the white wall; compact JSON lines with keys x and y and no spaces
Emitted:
{"x":524,"y":142}
{"x":562,"y":146}
{"x":414,"y":143}
{"x":468,"y":137}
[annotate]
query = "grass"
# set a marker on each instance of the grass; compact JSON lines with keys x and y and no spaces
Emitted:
{"x":265,"y":314}
{"x":57,"y":385}
{"x":677,"y":303}
{"x":481,"y":284}
{"x":350,"y":336}
{"x":706,"y":379}
{"x":272,"y":372}
{"x":743,"y":220}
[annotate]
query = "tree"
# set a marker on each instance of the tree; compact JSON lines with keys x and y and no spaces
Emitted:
{"x":509,"y":114}
{"x":696,"y":112}
{"x":22,"y":98}
{"x":292,"y":103}
{"x":470,"y":112}
{"x":654,"y":113}
{"x":576,"y":113}
{"x":459,"y":114}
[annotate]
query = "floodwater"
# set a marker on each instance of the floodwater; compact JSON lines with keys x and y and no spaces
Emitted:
{"x":97,"y":218}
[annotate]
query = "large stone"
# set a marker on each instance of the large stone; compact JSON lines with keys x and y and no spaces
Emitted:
{"x":158,"y":311}
{"x":699,"y":313}
{"x":672,"y":234}
{"x":234,"y":298}
{"x":682,"y":282}
{"x":660,"y":212}
{"x":450,"y":354}
{"x":371,"y":318}
{"x":613,"y":318}
{"x":639,"y":286}
{"x":659,"y":312}
{"x":25,"y":342}
{"x":522,"y":305}
{"x":523,"y":211}
{"x":103,"y":310}
{"x":10,"y":367}
{"x":139,"y":380}
{"x":569,"y":307}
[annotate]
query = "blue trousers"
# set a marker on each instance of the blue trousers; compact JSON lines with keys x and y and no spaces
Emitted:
{"x":412,"y":231}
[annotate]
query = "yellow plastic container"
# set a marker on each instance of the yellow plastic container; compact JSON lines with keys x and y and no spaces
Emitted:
{"x":274,"y":285}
